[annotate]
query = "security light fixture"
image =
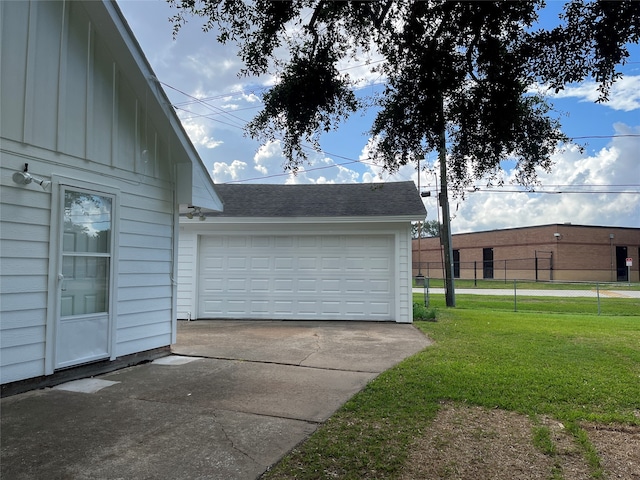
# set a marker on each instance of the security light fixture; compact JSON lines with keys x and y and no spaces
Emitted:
{"x":25,"y":178}
{"x":196,"y":211}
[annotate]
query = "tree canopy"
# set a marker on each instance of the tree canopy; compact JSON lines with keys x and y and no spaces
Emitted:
{"x":426,"y":229}
{"x":464,"y":68}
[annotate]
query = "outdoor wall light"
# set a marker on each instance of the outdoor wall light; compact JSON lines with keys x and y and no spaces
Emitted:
{"x":25,"y":178}
{"x":196,"y":211}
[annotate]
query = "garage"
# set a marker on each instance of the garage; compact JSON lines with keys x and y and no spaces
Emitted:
{"x":300,"y":252}
{"x":302,"y":277}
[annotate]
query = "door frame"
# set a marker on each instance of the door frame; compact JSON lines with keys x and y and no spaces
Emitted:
{"x":58,"y":184}
{"x":622,"y":272}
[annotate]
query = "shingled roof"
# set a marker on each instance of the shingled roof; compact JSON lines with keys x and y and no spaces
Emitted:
{"x":327,"y":200}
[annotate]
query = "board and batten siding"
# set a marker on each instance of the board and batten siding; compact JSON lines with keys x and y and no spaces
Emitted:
{"x":70,"y":112}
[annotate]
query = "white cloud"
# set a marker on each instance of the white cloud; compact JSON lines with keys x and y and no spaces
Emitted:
{"x":198,"y":133}
{"x":624,"y":94}
{"x":224,"y":172}
{"x":269,"y":159}
{"x":612,"y":169}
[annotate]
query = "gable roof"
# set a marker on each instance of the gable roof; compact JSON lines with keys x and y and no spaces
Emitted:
{"x":194,"y":184}
{"x":394,"y":199}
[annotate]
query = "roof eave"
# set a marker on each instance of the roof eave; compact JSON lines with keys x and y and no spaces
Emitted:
{"x":130,"y":53}
{"x":306,"y":220}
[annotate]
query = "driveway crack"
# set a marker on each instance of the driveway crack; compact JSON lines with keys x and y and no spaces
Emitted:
{"x":317,"y":349}
{"x":232,"y":443}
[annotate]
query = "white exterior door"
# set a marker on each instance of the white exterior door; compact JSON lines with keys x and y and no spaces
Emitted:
{"x":83,"y":326}
{"x":301,"y":277}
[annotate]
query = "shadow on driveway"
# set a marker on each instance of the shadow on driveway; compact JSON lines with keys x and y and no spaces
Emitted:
{"x":231,"y":401}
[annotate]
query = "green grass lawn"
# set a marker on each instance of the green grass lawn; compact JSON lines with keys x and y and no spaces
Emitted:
{"x":571,"y":367}
{"x":523,"y":303}
{"x":531,"y":285}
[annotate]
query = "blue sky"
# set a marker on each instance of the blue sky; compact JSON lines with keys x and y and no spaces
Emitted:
{"x":600,"y":186}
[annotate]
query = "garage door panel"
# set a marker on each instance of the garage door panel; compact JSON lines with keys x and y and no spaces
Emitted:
{"x":259,"y":285}
{"x":283,"y":264}
{"x":307,"y":285}
{"x":330,"y":285}
{"x":237,"y":285}
{"x":297,"y":277}
{"x":355,"y":264}
{"x":283,"y":285}
{"x":308,"y":241}
{"x":259,"y":306}
{"x":308,"y":263}
{"x":331,"y":264}
{"x":380,"y":286}
{"x":355,"y":286}
{"x":330,"y":241}
{"x":213,"y":308}
{"x":212,"y":263}
{"x":258,"y":241}
{"x":379,"y":309}
{"x":260,"y":263}
{"x":282,"y":308}
{"x":212,"y":286}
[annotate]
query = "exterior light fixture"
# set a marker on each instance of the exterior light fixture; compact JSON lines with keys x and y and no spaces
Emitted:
{"x":25,"y":178}
{"x":196,"y":211}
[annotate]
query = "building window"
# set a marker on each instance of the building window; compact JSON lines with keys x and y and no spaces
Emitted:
{"x":487,"y":263}
{"x":456,"y":263}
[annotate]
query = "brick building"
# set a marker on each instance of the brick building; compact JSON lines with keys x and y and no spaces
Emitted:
{"x":545,"y":252}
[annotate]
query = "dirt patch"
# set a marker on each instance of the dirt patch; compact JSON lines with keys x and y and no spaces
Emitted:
{"x":619,"y":449}
{"x":474,"y":442}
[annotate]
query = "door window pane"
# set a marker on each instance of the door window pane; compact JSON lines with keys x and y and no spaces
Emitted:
{"x":87,"y":223}
{"x":86,"y":285}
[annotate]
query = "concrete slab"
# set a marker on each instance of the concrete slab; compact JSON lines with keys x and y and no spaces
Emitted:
{"x":60,"y":434}
{"x":339,"y":345}
{"x":85,"y":385}
{"x":174,"y":360}
{"x":198,"y":417}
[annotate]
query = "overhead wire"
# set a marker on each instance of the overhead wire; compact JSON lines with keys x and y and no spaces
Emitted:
{"x":217,"y":111}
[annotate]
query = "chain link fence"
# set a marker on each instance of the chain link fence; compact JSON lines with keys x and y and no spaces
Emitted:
{"x":600,"y":298}
{"x":536,"y":268}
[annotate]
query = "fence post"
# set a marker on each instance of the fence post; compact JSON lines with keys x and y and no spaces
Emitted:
{"x":598,"y":295}
{"x":426,"y":292}
{"x":515,"y":296}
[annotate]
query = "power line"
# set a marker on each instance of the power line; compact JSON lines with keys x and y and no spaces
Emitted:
{"x":615,"y":135}
{"x":219,"y":111}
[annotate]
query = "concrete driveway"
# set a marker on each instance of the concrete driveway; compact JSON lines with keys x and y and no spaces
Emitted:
{"x":232,"y":400}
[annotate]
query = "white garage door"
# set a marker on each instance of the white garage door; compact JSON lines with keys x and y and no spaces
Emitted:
{"x":303,"y":277}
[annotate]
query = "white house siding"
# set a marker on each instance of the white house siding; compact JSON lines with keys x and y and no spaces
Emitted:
{"x":69,"y":110}
{"x":187,"y":258}
{"x":196,"y":237}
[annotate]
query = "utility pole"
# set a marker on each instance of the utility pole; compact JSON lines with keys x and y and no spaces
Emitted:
{"x":445,"y":234}
{"x":420,"y":277}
